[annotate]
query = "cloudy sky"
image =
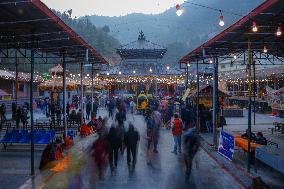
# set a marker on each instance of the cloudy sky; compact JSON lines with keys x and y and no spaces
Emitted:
{"x":111,"y":7}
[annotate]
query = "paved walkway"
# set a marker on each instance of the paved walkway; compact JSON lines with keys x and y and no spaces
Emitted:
{"x":167,"y":171}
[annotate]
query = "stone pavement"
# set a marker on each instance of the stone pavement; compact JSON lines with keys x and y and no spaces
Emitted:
{"x":166,"y":172}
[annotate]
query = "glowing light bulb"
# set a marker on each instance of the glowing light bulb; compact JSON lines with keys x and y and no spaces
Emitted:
{"x":279,"y":31}
{"x":188,"y":65}
{"x":179,"y":12}
{"x":265,"y":49}
{"x":119,"y":73}
{"x":210,"y":61}
{"x":107,"y":73}
{"x":221,"y":20}
{"x":150,"y":70}
{"x":168,"y":67}
{"x":134,"y":71}
{"x":235,"y":57}
{"x":254,"y":27}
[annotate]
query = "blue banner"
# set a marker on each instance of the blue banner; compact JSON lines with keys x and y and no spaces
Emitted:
{"x":226,"y":145}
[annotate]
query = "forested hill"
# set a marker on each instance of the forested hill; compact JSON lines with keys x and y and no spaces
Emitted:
{"x":179,"y":34}
{"x":98,"y":36}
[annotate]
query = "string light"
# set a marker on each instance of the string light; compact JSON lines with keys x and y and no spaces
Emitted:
{"x":107,"y":73}
{"x":235,"y":57}
{"x":221,"y":19}
{"x":168,"y":67}
{"x":265,"y":49}
{"x":150,"y":70}
{"x":188,"y":65}
{"x":119,"y":73}
{"x":179,"y":11}
{"x":279,"y":31}
{"x":254,"y":27}
{"x":134,"y":71}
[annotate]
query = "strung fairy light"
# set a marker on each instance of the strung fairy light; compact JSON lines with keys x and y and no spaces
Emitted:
{"x":168,"y":67}
{"x":279,"y":31}
{"x":221,"y":19}
{"x":265,"y":49}
{"x":107,"y":73}
{"x":150,"y":70}
{"x":179,"y":11}
{"x":235,"y":57}
{"x":254,"y":27}
{"x":134,"y":71}
{"x":119,"y":73}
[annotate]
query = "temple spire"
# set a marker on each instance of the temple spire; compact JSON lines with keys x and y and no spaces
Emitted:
{"x":141,"y":36}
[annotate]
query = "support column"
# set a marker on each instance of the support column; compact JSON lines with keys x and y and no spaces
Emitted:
{"x":250,"y":60}
{"x":92,"y":91}
{"x":64,"y":95}
{"x":254,"y":92}
{"x":81,"y":93}
{"x":17,"y":77}
{"x":156,"y":87}
{"x":186,"y":82}
{"x":197,"y":100}
{"x":215,"y":101}
{"x":31,"y":106}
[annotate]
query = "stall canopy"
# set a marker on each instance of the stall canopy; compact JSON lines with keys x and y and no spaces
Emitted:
{"x":30,"y":23}
{"x":268,"y":17}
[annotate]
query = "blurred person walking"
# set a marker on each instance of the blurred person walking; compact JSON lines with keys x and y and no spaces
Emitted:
{"x":131,"y":139}
{"x":114,"y":143}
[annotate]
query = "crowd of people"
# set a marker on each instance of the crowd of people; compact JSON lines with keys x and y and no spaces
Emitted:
{"x":120,"y":138}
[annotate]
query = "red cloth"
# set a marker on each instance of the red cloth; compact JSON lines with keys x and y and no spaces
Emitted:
{"x":86,"y":130}
{"x":177,"y":130}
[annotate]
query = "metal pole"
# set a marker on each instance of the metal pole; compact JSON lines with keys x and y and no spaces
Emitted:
{"x":186,"y":82}
{"x":156,"y":87}
{"x":17,"y":77}
{"x":197,"y":100}
{"x":215,"y":100}
{"x":31,"y":107}
{"x":64,"y":95}
{"x":249,"y":104}
{"x":254,"y":92}
{"x":81,"y":93}
{"x":92,"y":90}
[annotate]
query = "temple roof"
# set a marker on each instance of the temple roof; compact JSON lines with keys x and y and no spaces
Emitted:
{"x":141,"y":49}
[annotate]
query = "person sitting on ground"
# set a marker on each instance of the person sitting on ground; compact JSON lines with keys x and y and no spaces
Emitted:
{"x":260,"y":139}
{"x":245,"y":135}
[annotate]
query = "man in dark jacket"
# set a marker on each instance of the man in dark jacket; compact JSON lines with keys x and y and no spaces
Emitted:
{"x":114,"y":142}
{"x":131,"y":139}
{"x":88,"y":110}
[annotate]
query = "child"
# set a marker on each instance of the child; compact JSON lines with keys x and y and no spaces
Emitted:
{"x":177,"y":132}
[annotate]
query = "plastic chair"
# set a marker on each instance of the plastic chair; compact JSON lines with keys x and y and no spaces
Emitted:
{"x":16,"y":137}
{"x":45,"y":139}
{"x":7,"y":137}
{"x":26,"y":138}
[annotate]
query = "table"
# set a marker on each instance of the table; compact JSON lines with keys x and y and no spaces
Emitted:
{"x":243,"y":143}
{"x":274,"y":157}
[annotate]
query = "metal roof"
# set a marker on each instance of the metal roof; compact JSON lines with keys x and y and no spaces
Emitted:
{"x":141,"y":49}
{"x":268,"y":16}
{"x":22,"y":22}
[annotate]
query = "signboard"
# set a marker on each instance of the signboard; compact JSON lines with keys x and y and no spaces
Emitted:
{"x":226,"y":145}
